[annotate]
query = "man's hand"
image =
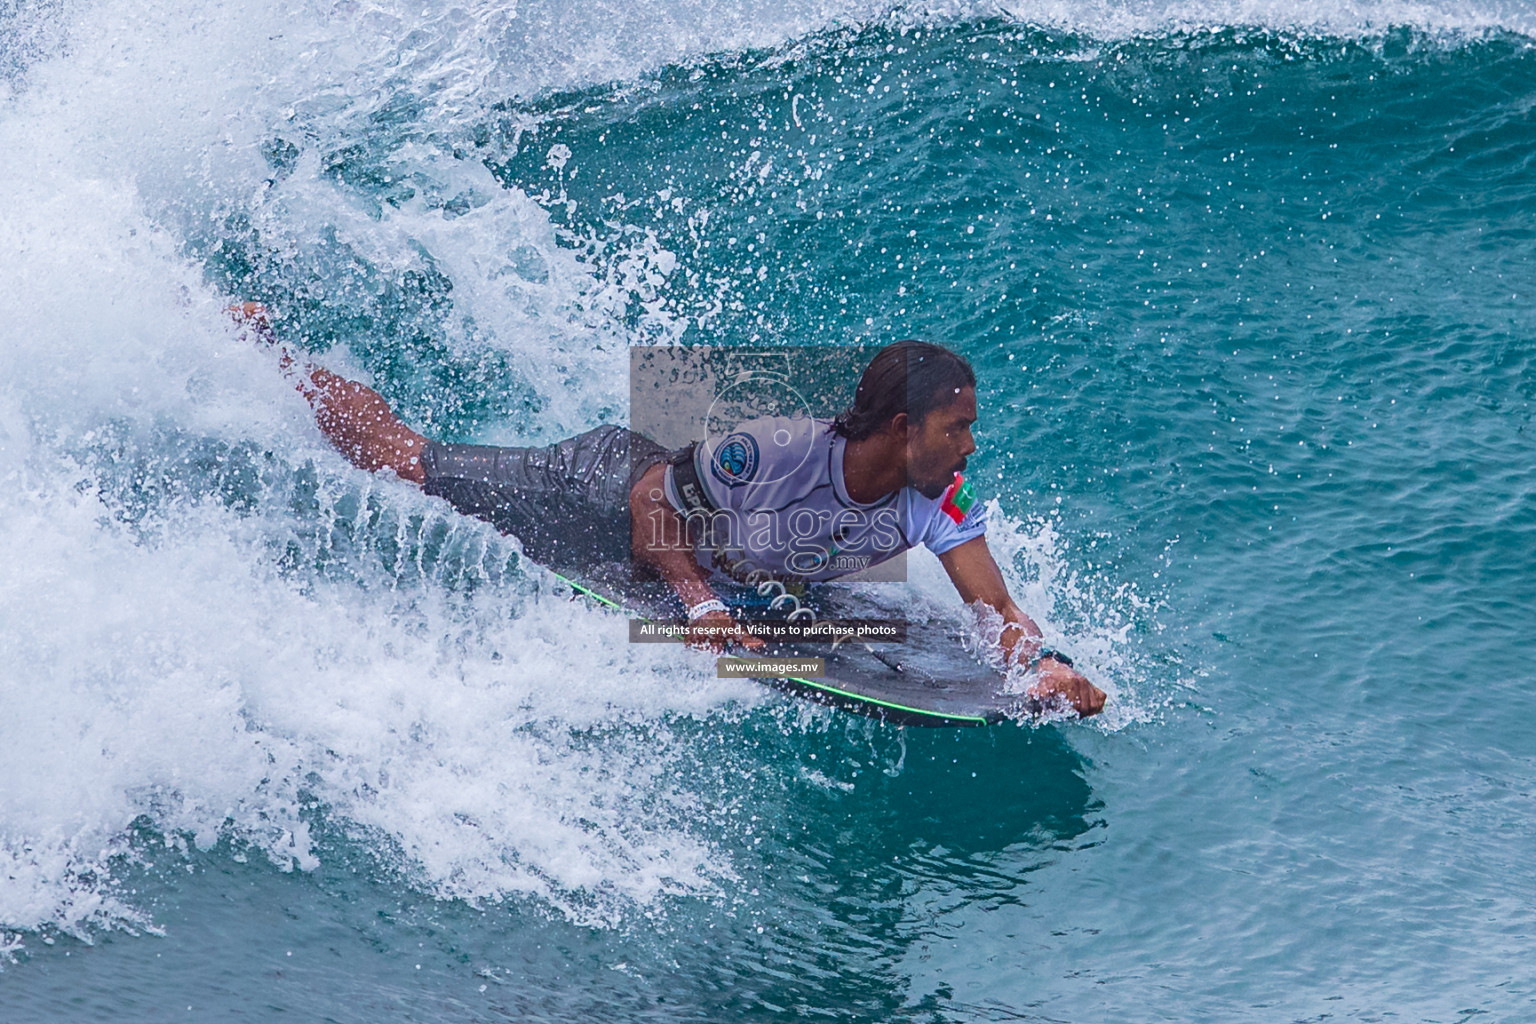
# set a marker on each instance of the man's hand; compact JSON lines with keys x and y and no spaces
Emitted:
{"x":1058,"y":682}
{"x":976,"y":576}
{"x":719,"y":632}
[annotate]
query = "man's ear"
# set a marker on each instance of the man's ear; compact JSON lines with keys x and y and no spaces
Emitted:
{"x":899,"y":424}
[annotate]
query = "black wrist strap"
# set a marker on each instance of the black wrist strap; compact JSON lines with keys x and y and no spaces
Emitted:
{"x":1053,"y":654}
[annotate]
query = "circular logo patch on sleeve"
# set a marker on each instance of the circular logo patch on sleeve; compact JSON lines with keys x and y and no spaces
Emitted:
{"x":735,"y":461}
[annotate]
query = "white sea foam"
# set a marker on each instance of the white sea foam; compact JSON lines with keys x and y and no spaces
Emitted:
{"x":158,"y":661}
{"x":161,"y":664}
{"x":1111,"y":20}
{"x":164,"y":666}
{"x":1088,"y":618}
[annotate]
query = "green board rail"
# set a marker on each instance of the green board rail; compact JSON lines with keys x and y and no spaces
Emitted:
{"x":821,"y":692}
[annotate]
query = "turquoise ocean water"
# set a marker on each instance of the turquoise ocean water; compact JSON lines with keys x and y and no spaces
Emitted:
{"x":1248,"y":289}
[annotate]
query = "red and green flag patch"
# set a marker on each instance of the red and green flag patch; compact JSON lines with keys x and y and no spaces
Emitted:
{"x":958,"y":499}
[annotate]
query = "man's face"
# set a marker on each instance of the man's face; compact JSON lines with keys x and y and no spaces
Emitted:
{"x":937,"y":447}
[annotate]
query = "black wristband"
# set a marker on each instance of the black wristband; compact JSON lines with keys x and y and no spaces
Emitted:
{"x":1050,"y":652}
{"x":685,"y":477}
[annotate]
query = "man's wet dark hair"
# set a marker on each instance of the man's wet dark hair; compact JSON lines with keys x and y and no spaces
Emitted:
{"x":914,"y":377}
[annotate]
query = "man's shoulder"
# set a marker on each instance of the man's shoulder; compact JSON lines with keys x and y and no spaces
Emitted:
{"x":947,"y":521}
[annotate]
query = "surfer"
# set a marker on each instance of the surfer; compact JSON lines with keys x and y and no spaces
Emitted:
{"x":800,"y":499}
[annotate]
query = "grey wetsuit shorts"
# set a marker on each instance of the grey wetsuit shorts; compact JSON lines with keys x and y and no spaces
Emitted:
{"x":567,"y":502}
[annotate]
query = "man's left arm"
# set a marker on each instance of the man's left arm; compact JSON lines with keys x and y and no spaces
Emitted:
{"x":976,"y":576}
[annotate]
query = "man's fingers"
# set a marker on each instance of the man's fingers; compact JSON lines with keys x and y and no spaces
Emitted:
{"x":747,"y":639}
{"x":717,"y":631}
{"x":1089,"y":699}
{"x":1086,"y":699}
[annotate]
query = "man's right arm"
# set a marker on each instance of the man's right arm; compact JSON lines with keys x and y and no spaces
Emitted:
{"x":976,"y":576}
{"x":659,"y":537}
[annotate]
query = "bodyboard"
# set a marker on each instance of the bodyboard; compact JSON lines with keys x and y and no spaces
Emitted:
{"x":927,"y":679}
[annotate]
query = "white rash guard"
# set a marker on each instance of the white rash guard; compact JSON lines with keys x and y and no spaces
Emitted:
{"x":784,"y":507}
